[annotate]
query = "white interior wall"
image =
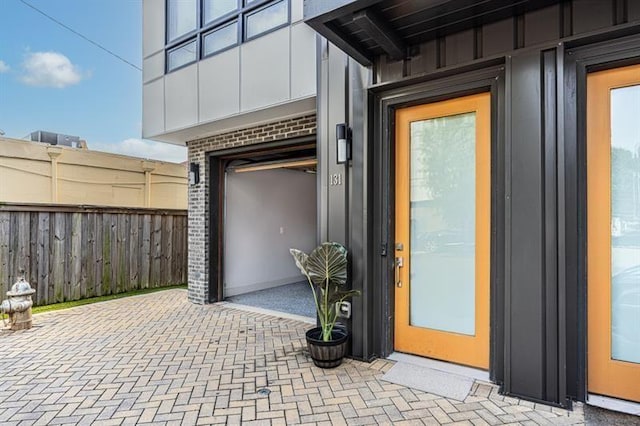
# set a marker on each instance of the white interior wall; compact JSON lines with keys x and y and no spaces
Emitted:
{"x":267,"y":213}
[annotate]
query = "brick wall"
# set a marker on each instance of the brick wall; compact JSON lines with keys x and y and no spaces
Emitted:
{"x":198,"y":269}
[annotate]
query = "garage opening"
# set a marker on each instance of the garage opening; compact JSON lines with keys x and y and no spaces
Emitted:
{"x":269,"y":206}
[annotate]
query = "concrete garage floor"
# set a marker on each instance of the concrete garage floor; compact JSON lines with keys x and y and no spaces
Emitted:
{"x":291,"y":298}
{"x":158,"y":359}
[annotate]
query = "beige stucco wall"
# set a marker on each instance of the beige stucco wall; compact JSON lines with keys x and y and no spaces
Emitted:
{"x":32,"y":172}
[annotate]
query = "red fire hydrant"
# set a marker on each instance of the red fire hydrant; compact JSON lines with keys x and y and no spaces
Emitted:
{"x":18,"y":305}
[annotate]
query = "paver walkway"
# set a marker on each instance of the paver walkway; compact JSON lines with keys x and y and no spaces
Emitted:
{"x":160,"y":359}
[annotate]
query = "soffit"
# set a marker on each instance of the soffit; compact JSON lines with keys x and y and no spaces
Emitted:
{"x":234,"y":122}
{"x":365,"y":29}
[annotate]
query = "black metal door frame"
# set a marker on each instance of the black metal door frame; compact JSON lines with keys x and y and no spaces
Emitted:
{"x":612,"y":50}
{"x":488,"y":76}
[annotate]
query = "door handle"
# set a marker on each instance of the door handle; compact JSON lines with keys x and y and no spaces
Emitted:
{"x":398,"y":264}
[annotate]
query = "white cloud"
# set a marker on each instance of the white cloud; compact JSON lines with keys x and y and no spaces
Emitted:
{"x":144,"y":149}
{"x":50,"y":69}
{"x":4,"y":67}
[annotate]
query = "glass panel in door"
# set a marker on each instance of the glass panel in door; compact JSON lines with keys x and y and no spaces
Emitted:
{"x":443,"y":223}
{"x":625,"y":224}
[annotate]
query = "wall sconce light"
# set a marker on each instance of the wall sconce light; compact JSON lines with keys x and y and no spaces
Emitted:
{"x":343,"y":143}
{"x":194,"y":173}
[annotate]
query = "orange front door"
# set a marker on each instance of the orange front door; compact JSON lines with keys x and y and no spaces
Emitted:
{"x":613,"y":226}
{"x":443,"y":230}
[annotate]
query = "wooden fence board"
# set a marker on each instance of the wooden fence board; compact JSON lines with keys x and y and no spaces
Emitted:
{"x":120,"y":269}
{"x":184,"y":269}
{"x":75,"y":262}
{"x":156,"y":249}
{"x":99,"y":265}
{"x":13,"y":247}
{"x":145,"y":264}
{"x":127,"y":248}
{"x":139,"y":249}
{"x":164,"y":247}
{"x":88,"y":261}
{"x":113,"y":235}
{"x":52,"y":238}
{"x":23,"y":254}
{"x":32,"y":273}
{"x":134,"y":252}
{"x":179,"y":247}
{"x":5,"y":284}
{"x":184,"y":248}
{"x":42,"y":291}
{"x":174,"y":248}
{"x":106,"y":254}
{"x":58,"y":257}
{"x":68,"y":266}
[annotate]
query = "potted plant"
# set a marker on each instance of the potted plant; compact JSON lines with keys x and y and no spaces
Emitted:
{"x":326,"y":270}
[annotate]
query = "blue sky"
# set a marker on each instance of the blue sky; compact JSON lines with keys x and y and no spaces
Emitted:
{"x":53,"y":80}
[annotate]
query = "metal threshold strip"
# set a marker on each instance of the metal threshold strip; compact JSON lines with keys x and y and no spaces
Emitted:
{"x":270,"y":165}
{"x":614,"y":404}
{"x":447,"y":367}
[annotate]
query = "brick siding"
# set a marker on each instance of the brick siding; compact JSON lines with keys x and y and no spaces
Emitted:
{"x":198,"y":269}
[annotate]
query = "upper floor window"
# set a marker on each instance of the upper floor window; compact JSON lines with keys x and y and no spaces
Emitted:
{"x":216,"y":9}
{"x":181,"y":55}
{"x":262,"y":20}
{"x":220,"y":38}
{"x":199,"y":28}
{"x":181,"y":18}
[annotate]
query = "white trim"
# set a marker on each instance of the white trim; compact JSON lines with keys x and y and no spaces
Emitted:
{"x":289,"y":109}
{"x":614,"y":404}
{"x":447,"y":367}
{"x":246,"y":308}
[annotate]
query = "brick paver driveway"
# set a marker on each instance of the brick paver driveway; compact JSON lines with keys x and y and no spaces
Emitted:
{"x":160,"y":359}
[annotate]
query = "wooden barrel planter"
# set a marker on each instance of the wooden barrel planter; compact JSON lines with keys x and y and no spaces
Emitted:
{"x":327,"y":354}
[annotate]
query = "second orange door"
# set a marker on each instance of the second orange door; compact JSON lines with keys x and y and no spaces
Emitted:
{"x":613,"y":227}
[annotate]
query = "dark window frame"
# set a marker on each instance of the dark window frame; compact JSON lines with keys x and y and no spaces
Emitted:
{"x":244,"y":9}
{"x":184,"y":37}
{"x":220,"y":19}
{"x":179,"y":46}
{"x":258,"y":9}
{"x":219,"y":27}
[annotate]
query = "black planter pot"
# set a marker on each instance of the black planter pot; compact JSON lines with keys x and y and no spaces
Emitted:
{"x":327,"y":354}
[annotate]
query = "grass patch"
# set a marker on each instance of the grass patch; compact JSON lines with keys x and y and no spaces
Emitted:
{"x":67,"y":305}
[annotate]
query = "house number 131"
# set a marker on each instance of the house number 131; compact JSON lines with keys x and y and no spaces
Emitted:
{"x":335,"y":179}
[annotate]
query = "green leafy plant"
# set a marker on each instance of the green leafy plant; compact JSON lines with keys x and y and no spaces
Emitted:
{"x":326,"y":270}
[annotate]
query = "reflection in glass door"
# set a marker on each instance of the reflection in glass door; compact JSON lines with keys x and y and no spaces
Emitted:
{"x":442,"y":230}
{"x":443,"y":198}
{"x":613,"y":168}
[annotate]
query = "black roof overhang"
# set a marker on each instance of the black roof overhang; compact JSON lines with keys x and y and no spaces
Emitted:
{"x":365,"y":29}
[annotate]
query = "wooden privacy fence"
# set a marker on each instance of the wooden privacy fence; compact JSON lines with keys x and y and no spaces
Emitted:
{"x":74,"y":252}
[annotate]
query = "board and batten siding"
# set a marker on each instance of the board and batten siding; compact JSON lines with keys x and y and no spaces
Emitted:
{"x":565,"y":21}
{"x":75,"y":252}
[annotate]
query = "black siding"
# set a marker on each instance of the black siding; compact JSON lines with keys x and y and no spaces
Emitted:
{"x":535,"y":65}
{"x":525,"y":283}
